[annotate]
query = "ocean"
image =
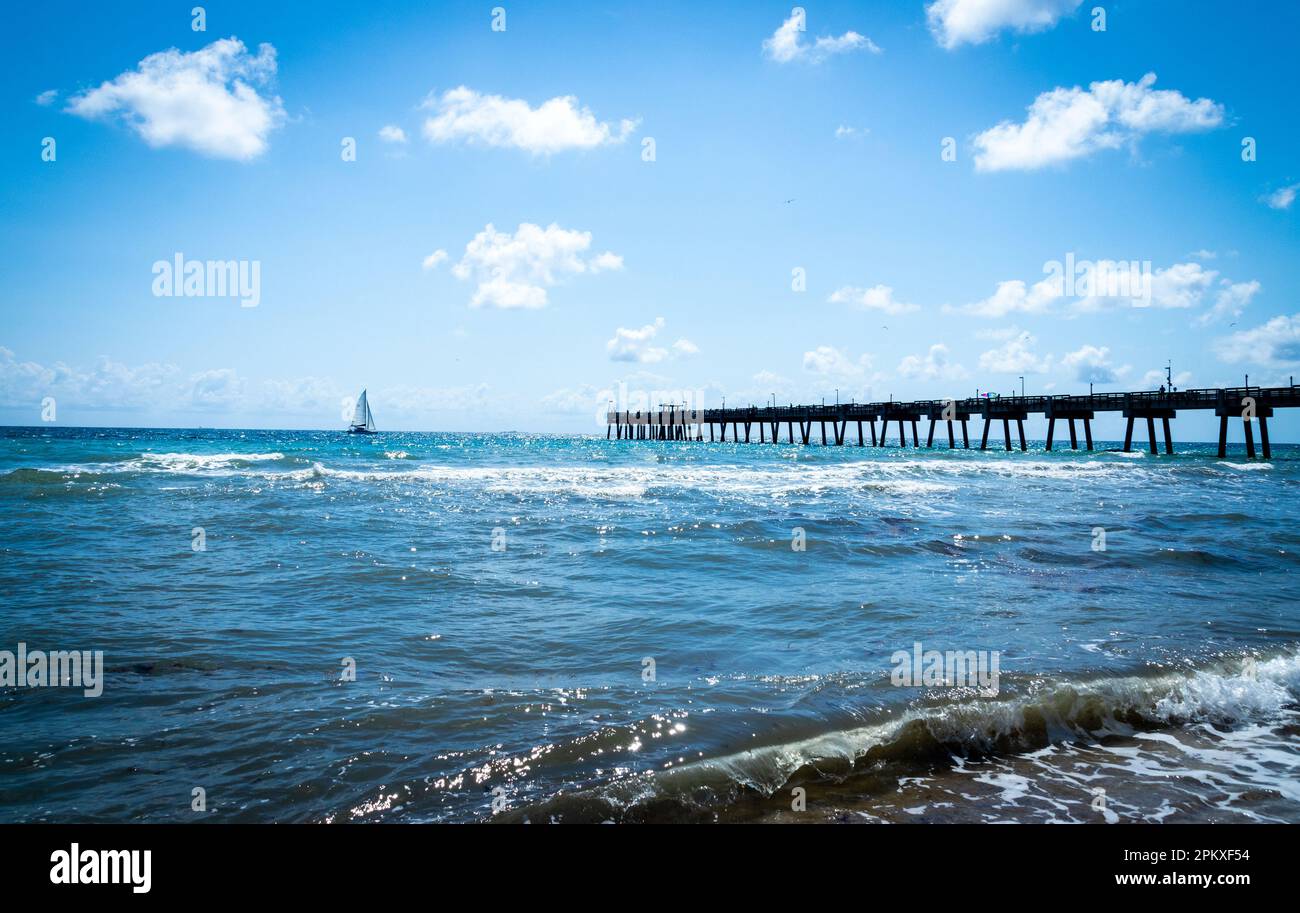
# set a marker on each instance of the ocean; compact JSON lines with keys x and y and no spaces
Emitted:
{"x":420,"y":627}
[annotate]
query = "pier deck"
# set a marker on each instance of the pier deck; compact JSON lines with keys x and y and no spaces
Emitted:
{"x":1254,"y":405}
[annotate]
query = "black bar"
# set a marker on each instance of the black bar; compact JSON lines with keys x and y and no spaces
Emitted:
{"x":303,"y":864}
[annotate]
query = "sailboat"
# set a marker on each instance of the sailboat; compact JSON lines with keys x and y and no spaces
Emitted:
{"x":362,"y":421}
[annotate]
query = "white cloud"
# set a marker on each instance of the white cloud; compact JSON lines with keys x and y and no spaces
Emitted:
{"x":849,"y":41}
{"x":955,"y":22}
{"x":1066,"y":124}
{"x":204,"y":100}
{"x":1182,"y":285}
{"x":844,"y":130}
{"x":23,"y":382}
{"x":391,"y":133}
{"x":514,"y":271}
{"x":1123,"y":284}
{"x":1106,"y":284}
{"x":1016,"y":356}
{"x":162,"y":392}
{"x":106,"y":384}
{"x":1092,"y":365}
{"x":432,"y":261}
{"x":877,"y":298}
{"x":605,"y":262}
{"x":1232,"y":299}
{"x":638,"y":345}
{"x":46,"y":98}
{"x":1275,"y":344}
{"x":786,"y":43}
{"x":830,"y":361}
{"x":1014,"y":296}
{"x":220,"y":389}
{"x":502,"y":293}
{"x":1283,"y":197}
{"x":771,"y":379}
{"x":462,"y":114}
{"x":934,"y":366}
{"x":109,"y":385}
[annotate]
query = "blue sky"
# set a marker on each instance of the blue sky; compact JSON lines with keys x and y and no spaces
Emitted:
{"x":572,"y":265}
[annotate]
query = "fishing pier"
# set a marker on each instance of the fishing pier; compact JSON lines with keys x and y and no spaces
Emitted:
{"x":1253,"y":405}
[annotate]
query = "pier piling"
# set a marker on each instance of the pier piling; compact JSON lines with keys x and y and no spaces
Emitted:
{"x":1253,"y":404}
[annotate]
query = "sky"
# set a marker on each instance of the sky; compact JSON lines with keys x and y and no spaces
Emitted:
{"x":503,"y":216}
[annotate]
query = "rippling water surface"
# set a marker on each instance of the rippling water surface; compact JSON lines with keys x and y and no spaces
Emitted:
{"x":644,"y":643}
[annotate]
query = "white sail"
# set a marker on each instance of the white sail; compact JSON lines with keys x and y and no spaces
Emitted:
{"x":361,"y":414}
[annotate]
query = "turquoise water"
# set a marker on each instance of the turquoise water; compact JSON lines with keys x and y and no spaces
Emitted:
{"x":643,"y":642}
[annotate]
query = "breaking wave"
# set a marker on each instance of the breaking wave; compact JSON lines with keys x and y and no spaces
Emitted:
{"x":1238,"y":693}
